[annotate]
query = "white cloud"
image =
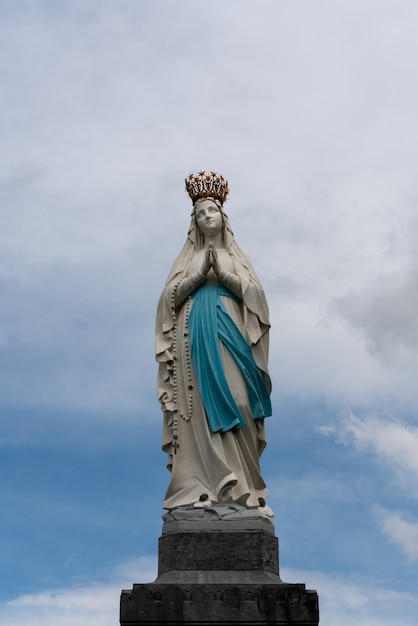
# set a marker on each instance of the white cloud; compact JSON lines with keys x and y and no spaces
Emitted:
{"x":317,"y":147}
{"x":96,"y":604}
{"x":403,"y":534}
{"x":352,"y":601}
{"x":389,"y":439}
{"x":395,"y":444}
{"x":386,"y":316}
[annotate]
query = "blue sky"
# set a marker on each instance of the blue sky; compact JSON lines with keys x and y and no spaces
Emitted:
{"x":309,"y":109}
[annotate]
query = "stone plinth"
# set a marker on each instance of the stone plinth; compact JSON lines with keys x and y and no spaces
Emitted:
{"x":218,"y":571}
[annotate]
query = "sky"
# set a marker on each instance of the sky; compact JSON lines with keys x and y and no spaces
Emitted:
{"x":309,"y":110}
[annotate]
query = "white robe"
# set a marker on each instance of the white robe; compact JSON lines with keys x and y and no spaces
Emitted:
{"x":219,"y":466}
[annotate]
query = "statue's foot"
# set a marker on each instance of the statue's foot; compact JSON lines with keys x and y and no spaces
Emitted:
{"x":263,"y":508}
{"x":266,"y":510}
{"x":203,"y":501}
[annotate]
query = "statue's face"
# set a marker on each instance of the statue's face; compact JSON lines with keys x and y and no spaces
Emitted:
{"x":208,"y":218}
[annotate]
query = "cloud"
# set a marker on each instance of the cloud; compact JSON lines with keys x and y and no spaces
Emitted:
{"x":380,"y":307}
{"x":395,"y":444}
{"x":350,"y":600}
{"x":403,"y":534}
{"x":92,"y":603}
{"x":385,"y":315}
{"x":99,"y":140}
{"x":389,"y":439}
{"x":21,"y":174}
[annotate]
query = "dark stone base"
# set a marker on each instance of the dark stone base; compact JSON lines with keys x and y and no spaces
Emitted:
{"x":209,"y":604}
{"x":224,"y":552}
{"x":224,"y":576}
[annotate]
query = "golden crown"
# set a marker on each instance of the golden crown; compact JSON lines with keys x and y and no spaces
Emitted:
{"x":202,"y":185}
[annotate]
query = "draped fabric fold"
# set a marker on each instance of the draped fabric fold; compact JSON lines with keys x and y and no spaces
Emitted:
{"x":209,"y":321}
{"x":213,"y":379}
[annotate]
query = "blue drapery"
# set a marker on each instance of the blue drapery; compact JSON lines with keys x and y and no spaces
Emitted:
{"x":209,"y":321}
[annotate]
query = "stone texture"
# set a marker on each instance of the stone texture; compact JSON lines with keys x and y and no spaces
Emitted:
{"x":221,"y":551}
{"x":172,"y":604}
{"x":218,"y":577}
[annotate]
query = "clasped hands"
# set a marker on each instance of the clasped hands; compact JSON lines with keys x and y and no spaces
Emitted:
{"x":192,"y":282}
{"x":211,"y":260}
{"x":229,"y":280}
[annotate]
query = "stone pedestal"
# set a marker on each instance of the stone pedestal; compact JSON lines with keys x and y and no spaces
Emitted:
{"x":218,"y":570}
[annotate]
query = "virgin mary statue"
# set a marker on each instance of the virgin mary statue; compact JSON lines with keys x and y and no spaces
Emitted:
{"x":212,"y":346}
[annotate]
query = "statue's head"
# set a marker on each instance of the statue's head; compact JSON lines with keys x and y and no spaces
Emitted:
{"x":209,"y":216}
{"x":208,"y":193}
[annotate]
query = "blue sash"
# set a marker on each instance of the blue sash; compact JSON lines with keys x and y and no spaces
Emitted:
{"x":209,"y":321}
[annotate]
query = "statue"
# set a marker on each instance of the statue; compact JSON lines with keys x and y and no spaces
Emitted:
{"x":212,"y":346}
